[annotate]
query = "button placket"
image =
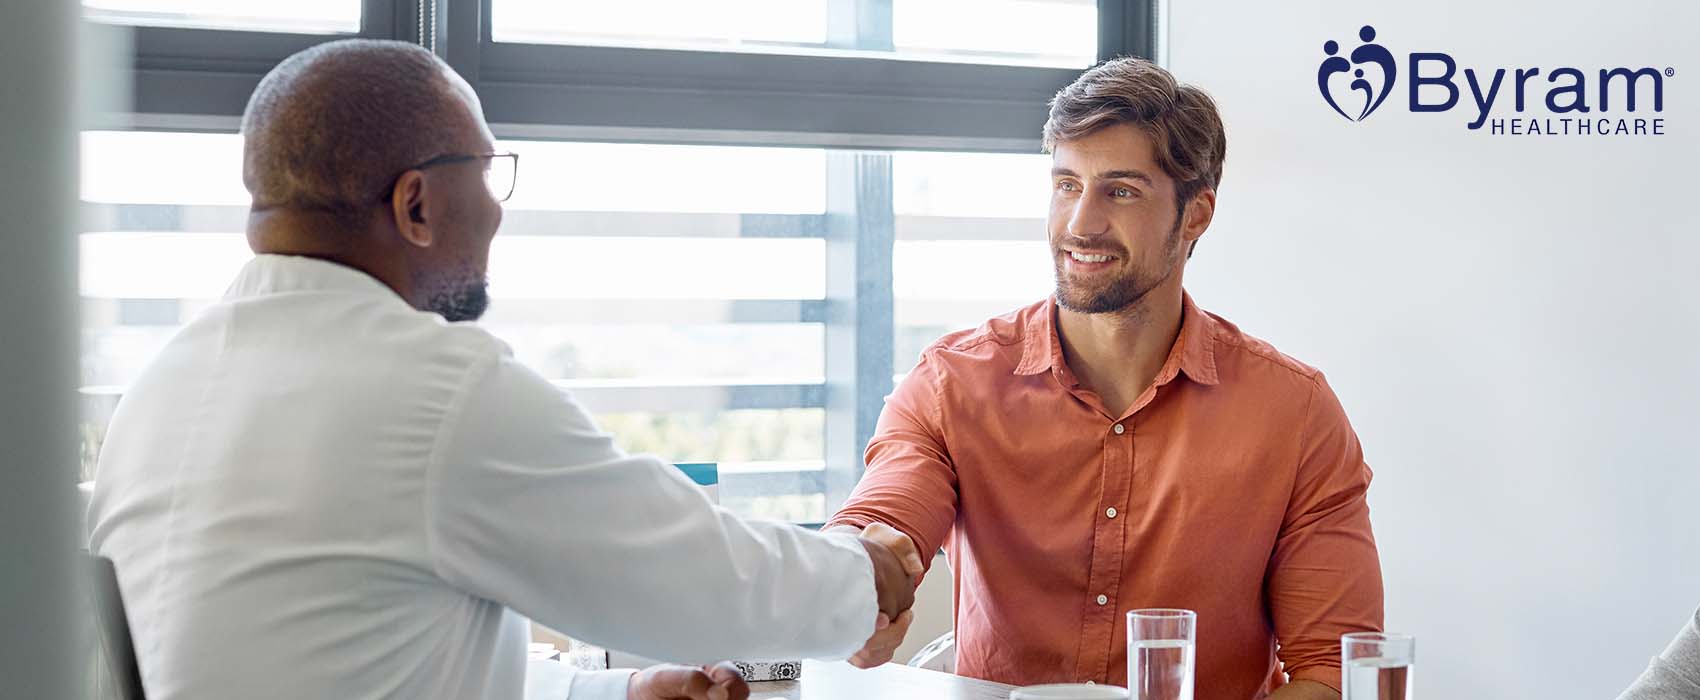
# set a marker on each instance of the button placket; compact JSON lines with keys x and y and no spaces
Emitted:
{"x":1105,"y":569}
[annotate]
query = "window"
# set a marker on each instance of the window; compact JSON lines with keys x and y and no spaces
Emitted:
{"x":301,"y":16}
{"x":655,"y":23}
{"x":673,"y":307}
{"x":734,"y":222}
{"x":1036,"y":32}
{"x":1023,"y":32}
{"x":971,"y":242}
{"x":664,"y":286}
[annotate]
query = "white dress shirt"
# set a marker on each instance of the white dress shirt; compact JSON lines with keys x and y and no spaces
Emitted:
{"x":316,"y":491}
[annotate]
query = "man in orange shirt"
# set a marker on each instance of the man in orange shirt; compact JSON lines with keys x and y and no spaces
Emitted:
{"x":1116,"y":447}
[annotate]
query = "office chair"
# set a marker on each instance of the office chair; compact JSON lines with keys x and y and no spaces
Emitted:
{"x":123,"y":674}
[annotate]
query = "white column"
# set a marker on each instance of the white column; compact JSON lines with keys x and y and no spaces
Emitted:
{"x":38,"y":350}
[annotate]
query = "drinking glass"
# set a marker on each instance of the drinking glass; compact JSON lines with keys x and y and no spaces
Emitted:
{"x":1161,"y":652}
{"x":1377,"y":665}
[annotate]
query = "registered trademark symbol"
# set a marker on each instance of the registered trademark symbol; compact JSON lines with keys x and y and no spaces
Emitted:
{"x":1670,"y":72}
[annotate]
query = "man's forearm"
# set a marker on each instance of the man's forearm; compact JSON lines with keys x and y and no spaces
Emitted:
{"x":1305,"y":690}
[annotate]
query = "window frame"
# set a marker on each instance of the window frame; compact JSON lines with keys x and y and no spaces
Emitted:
{"x":200,"y":79}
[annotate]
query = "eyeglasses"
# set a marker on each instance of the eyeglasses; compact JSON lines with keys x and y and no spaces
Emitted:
{"x":500,"y":170}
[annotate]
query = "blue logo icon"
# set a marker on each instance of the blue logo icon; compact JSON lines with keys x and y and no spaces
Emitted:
{"x":1375,"y":91}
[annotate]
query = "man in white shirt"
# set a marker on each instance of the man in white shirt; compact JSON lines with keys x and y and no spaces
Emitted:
{"x":326,"y":487}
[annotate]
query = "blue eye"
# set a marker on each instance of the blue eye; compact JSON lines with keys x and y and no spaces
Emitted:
{"x":1123,"y":192}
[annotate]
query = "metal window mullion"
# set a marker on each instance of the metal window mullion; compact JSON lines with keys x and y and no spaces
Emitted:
{"x":676,"y":96}
{"x":184,"y":77}
{"x":232,"y":218}
{"x":1127,"y":28}
{"x":861,"y":229}
{"x":203,"y":73}
{"x":860,"y":233}
{"x":407,"y":20}
{"x":664,"y":398}
{"x":379,"y":20}
{"x":455,"y":30}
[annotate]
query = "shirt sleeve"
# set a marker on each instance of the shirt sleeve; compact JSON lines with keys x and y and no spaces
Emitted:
{"x":553,"y":680}
{"x":529,"y":505}
{"x":1675,"y":674}
{"x":1324,"y":575}
{"x":910,"y":483}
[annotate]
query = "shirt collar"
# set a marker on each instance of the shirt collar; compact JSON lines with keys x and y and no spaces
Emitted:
{"x":1193,"y":353}
{"x":279,"y":274}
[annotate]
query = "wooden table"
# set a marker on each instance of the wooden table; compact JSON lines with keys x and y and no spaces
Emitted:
{"x":840,"y":681}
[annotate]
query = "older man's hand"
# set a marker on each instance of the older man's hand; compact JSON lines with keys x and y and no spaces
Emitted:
{"x":673,"y":682}
{"x":883,"y":540}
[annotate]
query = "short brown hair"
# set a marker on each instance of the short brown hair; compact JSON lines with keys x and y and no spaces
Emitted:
{"x":1185,"y":128}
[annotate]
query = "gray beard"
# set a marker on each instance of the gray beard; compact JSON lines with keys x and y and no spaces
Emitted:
{"x":464,"y":301}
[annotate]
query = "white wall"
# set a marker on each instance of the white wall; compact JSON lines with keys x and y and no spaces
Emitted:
{"x":933,"y":613}
{"x":1513,"y":323}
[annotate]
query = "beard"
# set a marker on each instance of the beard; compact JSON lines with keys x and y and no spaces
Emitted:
{"x":461,"y":295}
{"x":1125,"y":290}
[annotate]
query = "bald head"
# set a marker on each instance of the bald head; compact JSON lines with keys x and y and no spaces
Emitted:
{"x":373,"y":155}
{"x":331,"y":127}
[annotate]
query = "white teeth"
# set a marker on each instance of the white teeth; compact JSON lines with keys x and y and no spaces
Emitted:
{"x":1089,"y":258}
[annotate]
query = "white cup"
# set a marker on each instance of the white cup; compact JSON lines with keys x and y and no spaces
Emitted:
{"x":1069,"y":691}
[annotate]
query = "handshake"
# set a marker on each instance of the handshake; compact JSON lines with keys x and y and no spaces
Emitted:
{"x":897,"y":572}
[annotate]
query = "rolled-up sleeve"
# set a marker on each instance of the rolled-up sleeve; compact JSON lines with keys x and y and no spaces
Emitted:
{"x":910,"y":483}
{"x":1325,"y":575}
{"x":531,"y":506}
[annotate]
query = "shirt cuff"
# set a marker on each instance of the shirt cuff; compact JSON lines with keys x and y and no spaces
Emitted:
{"x":860,"y":604}
{"x":1326,"y":675}
{"x":852,"y":521}
{"x":600,"y":685}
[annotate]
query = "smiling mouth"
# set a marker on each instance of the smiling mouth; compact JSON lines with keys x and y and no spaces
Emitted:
{"x":1088,"y":257}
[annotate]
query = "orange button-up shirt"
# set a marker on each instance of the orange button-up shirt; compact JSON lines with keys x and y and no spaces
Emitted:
{"x":1233,"y":486}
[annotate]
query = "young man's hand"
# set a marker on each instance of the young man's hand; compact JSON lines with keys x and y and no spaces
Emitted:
{"x":882,"y":540}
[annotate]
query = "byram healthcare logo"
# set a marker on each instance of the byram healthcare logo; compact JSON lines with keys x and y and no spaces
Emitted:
{"x":1356,"y":84}
{"x":1368,"y":54}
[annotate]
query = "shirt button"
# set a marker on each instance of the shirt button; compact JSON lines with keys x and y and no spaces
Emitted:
{"x":1110,"y":512}
{"x":1103,"y":599}
{"x":1119,"y":429}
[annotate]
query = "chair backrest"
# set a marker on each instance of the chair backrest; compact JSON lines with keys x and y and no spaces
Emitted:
{"x":937,"y":655}
{"x":113,"y":628}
